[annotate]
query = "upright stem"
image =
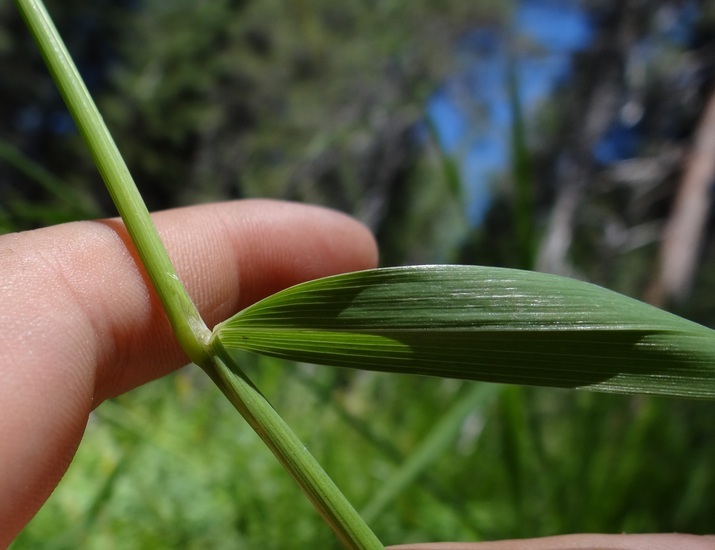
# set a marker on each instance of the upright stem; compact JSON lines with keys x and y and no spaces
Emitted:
{"x":337,"y":512}
{"x":191,"y":331}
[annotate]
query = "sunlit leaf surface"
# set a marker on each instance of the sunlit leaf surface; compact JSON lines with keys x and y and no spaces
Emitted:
{"x":480,"y":323}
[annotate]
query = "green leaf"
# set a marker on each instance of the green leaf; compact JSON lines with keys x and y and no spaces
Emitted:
{"x":481,"y":323}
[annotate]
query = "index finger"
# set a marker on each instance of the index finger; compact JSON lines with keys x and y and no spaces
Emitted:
{"x":80,"y":323}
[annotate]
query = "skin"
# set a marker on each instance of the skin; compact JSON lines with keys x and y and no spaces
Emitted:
{"x":579,"y":542}
{"x":79,"y":324}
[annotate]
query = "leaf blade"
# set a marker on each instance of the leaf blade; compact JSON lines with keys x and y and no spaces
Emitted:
{"x":480,"y":323}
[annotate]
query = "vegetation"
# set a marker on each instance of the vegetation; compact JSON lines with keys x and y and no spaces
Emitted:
{"x":528,"y":461}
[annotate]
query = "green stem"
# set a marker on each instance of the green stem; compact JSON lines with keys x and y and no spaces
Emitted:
{"x":347,"y":524}
{"x":192,"y":333}
{"x":190,"y":330}
{"x":522,"y":173}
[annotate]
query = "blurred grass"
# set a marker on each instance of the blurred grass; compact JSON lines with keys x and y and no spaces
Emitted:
{"x":170,"y":465}
{"x":63,"y":201}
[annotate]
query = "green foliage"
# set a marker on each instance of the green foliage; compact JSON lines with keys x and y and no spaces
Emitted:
{"x":523,"y":177}
{"x":39,"y":141}
{"x":269,"y":99}
{"x":68,"y":204}
{"x":186,"y":473}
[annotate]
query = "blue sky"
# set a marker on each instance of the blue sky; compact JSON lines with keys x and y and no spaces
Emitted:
{"x":471,"y":109}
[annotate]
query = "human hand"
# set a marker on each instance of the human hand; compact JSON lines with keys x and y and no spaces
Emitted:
{"x":79,"y":322}
{"x":579,"y":542}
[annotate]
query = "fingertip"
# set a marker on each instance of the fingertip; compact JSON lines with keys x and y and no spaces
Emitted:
{"x":249,"y":249}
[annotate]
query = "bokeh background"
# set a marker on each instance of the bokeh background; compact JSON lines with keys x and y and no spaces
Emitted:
{"x":572,"y":137}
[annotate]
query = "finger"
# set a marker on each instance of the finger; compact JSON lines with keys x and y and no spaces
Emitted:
{"x":578,"y":542}
{"x":244,"y":251}
{"x":79,"y":322}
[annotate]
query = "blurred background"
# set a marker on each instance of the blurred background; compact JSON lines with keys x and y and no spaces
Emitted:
{"x":572,"y":137}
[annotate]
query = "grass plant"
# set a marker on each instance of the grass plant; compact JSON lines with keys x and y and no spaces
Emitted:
{"x":448,"y":321}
